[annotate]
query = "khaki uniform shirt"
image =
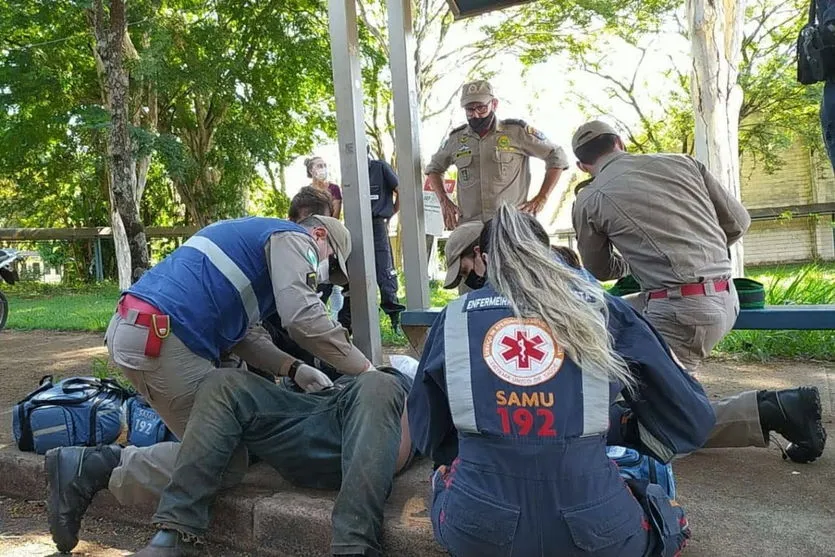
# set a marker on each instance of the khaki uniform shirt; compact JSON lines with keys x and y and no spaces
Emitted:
{"x":495,"y":168}
{"x":293,"y":262}
{"x":669,"y":218}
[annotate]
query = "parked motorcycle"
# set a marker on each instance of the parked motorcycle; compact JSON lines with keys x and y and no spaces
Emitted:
{"x":8,"y":273}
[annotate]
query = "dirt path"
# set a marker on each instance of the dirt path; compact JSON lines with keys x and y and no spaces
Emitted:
{"x":24,"y":533}
{"x":779,"y":508}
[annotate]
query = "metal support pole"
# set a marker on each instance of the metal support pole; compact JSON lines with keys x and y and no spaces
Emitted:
{"x":97,"y":257}
{"x":407,"y":142}
{"x":347,"y":83}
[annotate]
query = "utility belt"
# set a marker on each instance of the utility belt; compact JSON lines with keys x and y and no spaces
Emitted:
{"x":139,"y":312}
{"x":698,"y":289}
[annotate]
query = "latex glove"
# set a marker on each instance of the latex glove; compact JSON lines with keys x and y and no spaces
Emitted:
{"x":311,"y":380}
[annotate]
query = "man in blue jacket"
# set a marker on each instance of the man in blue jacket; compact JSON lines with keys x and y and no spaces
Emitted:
{"x":168,"y":336}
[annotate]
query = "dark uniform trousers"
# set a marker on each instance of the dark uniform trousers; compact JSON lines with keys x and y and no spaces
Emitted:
{"x":386,"y":276}
{"x":522,"y":432}
{"x":384,"y":264}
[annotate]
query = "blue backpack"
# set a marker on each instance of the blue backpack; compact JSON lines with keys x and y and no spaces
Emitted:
{"x":78,"y":411}
{"x":636,"y":466}
{"x":145,"y":427}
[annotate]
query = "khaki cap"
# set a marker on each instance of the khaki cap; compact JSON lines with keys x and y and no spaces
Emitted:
{"x":461,"y":238}
{"x":476,"y":92}
{"x":590,"y":131}
{"x":340,"y":240}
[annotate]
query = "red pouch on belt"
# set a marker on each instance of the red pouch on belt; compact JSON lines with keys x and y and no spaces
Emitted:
{"x":159,"y":325}
{"x":159,"y":330}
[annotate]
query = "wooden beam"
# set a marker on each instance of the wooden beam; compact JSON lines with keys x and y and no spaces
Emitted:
{"x":33,"y":234}
{"x":794,"y":210}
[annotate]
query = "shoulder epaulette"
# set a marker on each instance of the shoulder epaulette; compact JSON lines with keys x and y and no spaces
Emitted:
{"x":458,"y":129}
{"x":515,"y":121}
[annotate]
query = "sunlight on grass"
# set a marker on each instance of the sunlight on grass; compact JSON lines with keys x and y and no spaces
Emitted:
{"x":89,"y":308}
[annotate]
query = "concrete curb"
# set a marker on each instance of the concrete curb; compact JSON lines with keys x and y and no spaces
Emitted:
{"x":265,"y":515}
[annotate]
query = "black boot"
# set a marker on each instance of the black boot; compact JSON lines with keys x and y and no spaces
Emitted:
{"x":74,"y":475}
{"x":796,"y":415}
{"x":168,"y":543}
{"x":393,"y":310}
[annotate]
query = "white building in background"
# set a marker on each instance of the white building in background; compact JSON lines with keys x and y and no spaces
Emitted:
{"x":34,"y":268}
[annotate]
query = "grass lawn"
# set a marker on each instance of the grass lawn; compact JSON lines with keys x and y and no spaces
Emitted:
{"x":88,"y":308}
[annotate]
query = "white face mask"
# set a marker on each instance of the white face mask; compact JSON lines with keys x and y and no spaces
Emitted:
{"x":321,"y":174}
{"x":323,"y":272}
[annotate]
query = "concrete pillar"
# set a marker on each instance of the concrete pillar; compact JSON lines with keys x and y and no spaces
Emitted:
{"x":407,"y":142}
{"x":350,"y":119}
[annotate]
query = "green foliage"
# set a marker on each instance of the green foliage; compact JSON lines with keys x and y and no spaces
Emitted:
{"x":101,"y":368}
{"x":217,"y":92}
{"x":53,"y":254}
{"x":539,"y":30}
{"x":776,"y":110}
{"x":809,"y":284}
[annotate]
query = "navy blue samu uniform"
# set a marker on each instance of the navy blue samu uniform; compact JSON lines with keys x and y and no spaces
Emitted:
{"x":522,"y":431}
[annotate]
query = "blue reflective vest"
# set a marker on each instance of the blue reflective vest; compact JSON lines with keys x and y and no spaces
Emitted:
{"x":523,"y":430}
{"x":217,"y":284}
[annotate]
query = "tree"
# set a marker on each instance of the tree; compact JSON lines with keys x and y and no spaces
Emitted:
{"x":213,"y":94}
{"x":112,"y":42}
{"x":437,"y":53}
{"x":716,"y":40}
{"x":254,"y":79}
{"x":651,"y":99}
{"x":52,"y":129}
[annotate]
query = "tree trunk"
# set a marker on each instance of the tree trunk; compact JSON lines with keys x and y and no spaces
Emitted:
{"x":716,"y":46}
{"x":121,"y":245}
{"x":110,"y":38}
{"x":282,"y":177}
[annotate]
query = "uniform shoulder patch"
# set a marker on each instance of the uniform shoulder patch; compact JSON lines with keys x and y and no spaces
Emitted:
{"x":515,"y":122}
{"x":311,"y":280}
{"x":535,"y":132}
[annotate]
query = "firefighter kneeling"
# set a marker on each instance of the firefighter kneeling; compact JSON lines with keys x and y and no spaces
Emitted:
{"x":518,"y":417}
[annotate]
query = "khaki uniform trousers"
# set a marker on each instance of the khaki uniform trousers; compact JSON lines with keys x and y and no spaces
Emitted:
{"x":169,"y":383}
{"x":692,"y":326}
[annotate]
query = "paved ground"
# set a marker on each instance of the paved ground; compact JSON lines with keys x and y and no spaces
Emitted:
{"x":740,"y":501}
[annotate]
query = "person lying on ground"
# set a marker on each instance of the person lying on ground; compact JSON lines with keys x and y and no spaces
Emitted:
{"x":173,"y":325}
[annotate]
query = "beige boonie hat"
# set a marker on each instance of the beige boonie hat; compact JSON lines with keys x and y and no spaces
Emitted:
{"x":477,"y":92}
{"x":340,"y":240}
{"x":589,"y":132}
{"x":461,"y":238}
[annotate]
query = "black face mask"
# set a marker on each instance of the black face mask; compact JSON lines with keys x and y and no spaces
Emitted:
{"x":481,"y":125}
{"x":474,"y":281}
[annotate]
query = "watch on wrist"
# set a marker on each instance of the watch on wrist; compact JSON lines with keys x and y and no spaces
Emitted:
{"x":294,"y":367}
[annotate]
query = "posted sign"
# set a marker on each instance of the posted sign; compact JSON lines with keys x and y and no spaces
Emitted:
{"x":434,"y":220}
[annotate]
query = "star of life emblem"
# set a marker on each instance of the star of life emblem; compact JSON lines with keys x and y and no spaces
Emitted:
{"x":522,"y":351}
